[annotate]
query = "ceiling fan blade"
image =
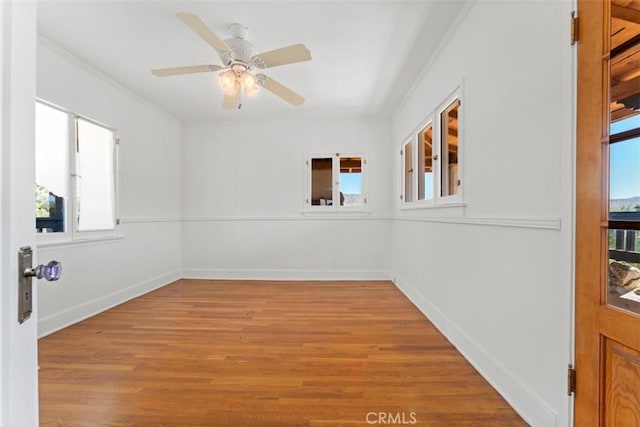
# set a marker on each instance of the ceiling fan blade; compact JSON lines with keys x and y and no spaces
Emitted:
{"x":282,"y":56}
{"x":230,"y":102}
{"x":279,"y":90}
{"x":201,"y":29}
{"x":176,"y":71}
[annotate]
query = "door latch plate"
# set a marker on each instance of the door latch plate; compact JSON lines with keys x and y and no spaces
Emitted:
{"x":25,"y":296}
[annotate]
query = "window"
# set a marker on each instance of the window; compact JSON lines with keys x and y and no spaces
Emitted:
{"x":95,"y":183}
{"x":336,"y":182}
{"x":434,"y":153}
{"x":52,"y":166}
{"x":449,"y":150}
{"x":425,"y":163}
{"x":76,"y":161}
{"x":408,"y":171}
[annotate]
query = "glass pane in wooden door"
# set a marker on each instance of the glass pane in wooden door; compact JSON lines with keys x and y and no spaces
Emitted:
{"x":624,"y":158}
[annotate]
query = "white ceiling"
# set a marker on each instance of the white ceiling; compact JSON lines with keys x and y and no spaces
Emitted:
{"x":366,"y":54}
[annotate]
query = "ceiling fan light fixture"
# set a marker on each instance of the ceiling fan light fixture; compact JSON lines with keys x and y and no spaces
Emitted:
{"x":251,"y":91}
{"x":248,"y":82}
{"x":228,"y":82}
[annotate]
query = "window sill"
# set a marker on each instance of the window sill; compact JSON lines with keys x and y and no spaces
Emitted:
{"x":63,"y":244}
{"x":338,"y":214}
{"x":423,"y":206}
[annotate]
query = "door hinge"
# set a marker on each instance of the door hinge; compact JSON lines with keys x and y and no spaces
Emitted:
{"x":574,"y":28}
{"x":117,"y":141}
{"x":571,"y":380}
{"x":118,"y":221}
{"x":307,"y":162}
{"x":401,"y":153}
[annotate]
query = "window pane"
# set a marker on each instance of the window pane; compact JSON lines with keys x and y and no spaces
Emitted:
{"x":95,"y":180}
{"x":624,"y":269}
{"x":351,"y":181}
{"x":624,"y":177}
{"x":322,"y":182}
{"x":408,"y":172}
{"x":449,"y":149}
{"x":425,"y":162}
{"x":52,"y":168}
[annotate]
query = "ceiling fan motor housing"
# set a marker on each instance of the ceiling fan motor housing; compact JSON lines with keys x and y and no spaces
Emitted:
{"x":243,"y":48}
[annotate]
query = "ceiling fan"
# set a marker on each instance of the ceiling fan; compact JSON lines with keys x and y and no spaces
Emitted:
{"x":237,"y":55}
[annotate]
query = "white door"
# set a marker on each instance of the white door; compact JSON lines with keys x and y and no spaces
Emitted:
{"x":18,"y":342}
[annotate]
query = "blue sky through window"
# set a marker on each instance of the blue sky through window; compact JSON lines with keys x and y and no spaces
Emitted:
{"x":351,"y":183}
{"x":624,"y":160}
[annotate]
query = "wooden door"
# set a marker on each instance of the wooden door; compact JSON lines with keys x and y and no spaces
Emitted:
{"x":607,"y":230}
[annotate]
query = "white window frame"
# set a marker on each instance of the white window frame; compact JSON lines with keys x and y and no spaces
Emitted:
{"x":437,"y":136}
{"x":410,"y":142}
{"x":335,"y":167}
{"x":434,"y":119}
{"x":71,"y":233}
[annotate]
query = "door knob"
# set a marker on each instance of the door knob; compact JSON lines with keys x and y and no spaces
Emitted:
{"x":50,"y":272}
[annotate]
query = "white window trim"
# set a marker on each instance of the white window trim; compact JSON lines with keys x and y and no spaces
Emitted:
{"x":434,"y":119}
{"x":335,"y":207}
{"x":72,"y":234}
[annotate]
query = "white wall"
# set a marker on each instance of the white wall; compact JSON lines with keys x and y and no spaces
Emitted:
{"x":495,"y":275}
{"x":243,"y":201}
{"x":102,"y":274}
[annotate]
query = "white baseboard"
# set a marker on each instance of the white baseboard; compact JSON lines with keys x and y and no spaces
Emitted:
{"x":55,"y":322}
{"x":530,"y":407}
{"x":224,"y":274}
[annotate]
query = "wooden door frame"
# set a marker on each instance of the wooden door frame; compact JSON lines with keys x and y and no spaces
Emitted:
{"x":589,"y":192}
{"x":594,"y":319}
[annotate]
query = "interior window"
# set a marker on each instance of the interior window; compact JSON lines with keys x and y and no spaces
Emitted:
{"x":449,"y":150}
{"x":408,"y":172}
{"x":425,"y":162}
{"x":351,"y":181}
{"x":337,"y":182}
{"x":321,"y":181}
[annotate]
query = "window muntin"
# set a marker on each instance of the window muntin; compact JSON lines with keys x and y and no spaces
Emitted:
{"x":80,"y":203}
{"x":336,"y":182}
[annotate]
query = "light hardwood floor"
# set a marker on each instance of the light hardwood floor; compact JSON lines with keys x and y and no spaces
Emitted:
{"x":260,"y":354}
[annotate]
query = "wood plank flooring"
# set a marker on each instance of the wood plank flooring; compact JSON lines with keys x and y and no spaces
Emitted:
{"x":261,"y":354}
